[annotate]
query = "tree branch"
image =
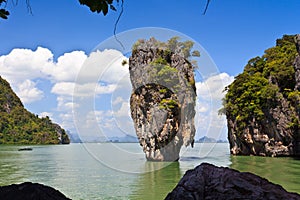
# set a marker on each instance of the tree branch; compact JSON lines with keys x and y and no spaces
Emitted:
{"x":206,"y":7}
{"x":116,"y":24}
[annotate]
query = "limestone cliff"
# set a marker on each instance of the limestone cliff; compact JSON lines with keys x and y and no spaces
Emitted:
{"x":163,"y":98}
{"x":19,"y":126}
{"x":262,"y":105}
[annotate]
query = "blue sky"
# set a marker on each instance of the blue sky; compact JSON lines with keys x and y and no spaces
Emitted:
{"x":232,"y":32}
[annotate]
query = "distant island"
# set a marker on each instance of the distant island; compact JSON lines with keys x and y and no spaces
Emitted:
{"x":206,"y":139}
{"x":19,"y":126}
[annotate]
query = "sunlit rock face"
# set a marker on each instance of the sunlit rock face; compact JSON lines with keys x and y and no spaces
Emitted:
{"x":163,"y":99}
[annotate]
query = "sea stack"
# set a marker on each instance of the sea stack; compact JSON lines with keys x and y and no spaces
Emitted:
{"x":162,"y":102}
{"x":262,"y":105}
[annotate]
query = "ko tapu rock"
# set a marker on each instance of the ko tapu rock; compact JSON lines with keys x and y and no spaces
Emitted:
{"x":162,"y":102}
{"x":262,"y":105}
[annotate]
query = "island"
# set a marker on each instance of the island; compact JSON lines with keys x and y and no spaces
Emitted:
{"x":19,"y":126}
{"x":262,"y":105}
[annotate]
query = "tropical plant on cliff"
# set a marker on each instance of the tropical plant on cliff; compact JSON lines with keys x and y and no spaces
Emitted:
{"x":264,"y":81}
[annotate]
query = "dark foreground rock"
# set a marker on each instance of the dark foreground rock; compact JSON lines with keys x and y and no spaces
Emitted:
{"x":30,"y":191}
{"x":210,"y":182}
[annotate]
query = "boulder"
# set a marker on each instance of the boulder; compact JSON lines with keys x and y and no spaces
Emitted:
{"x":207,"y":181}
{"x":30,"y":191}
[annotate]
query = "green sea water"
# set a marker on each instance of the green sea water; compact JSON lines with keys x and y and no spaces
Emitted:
{"x":119,"y":171}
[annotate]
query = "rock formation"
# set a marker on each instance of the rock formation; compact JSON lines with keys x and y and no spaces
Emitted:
{"x":163,"y":98}
{"x":30,"y":191}
{"x":262,"y":105}
{"x":19,"y":126}
{"x":210,"y":182}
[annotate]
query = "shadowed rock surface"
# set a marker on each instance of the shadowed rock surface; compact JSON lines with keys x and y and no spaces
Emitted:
{"x":30,"y":191}
{"x":163,"y":98}
{"x":262,"y":105}
{"x":219,"y":183}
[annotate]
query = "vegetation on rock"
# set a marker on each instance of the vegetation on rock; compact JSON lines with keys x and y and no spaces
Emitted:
{"x":263,"y":96}
{"x":265,"y":81}
{"x":19,"y":126}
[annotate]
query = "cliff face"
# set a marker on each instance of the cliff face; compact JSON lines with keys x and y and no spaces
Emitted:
{"x":19,"y":126}
{"x":262,"y":105}
{"x":163,"y":99}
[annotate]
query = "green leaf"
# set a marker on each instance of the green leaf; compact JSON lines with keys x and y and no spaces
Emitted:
{"x":4,"y":13}
{"x":112,"y":8}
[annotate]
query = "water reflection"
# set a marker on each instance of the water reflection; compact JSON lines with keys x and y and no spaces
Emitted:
{"x":20,"y":166}
{"x":283,"y":171}
{"x":9,"y":167}
{"x":156,"y":184}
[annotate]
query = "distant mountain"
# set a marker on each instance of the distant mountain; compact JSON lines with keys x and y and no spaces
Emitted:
{"x":75,"y":138}
{"x":125,"y":139}
{"x":222,"y":141}
{"x":19,"y":126}
{"x":206,"y":139}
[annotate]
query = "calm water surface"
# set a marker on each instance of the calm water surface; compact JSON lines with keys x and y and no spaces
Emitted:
{"x":119,"y":171}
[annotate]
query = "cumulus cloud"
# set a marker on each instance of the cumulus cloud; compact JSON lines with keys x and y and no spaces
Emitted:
{"x":23,"y":67}
{"x":24,"y":64}
{"x":28,"y":92}
{"x":67,"y":67}
{"x":103,"y":66}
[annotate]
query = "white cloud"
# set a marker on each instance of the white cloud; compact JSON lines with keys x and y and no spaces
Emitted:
{"x":25,"y":64}
{"x":45,"y":114}
{"x":103,"y":66}
{"x":67,"y":67}
{"x":28,"y":92}
{"x":124,"y":110}
{"x":22,"y":67}
{"x":213,"y":86}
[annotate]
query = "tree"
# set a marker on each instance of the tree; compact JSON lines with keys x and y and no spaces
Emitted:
{"x":3,"y":13}
{"x":99,"y":6}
